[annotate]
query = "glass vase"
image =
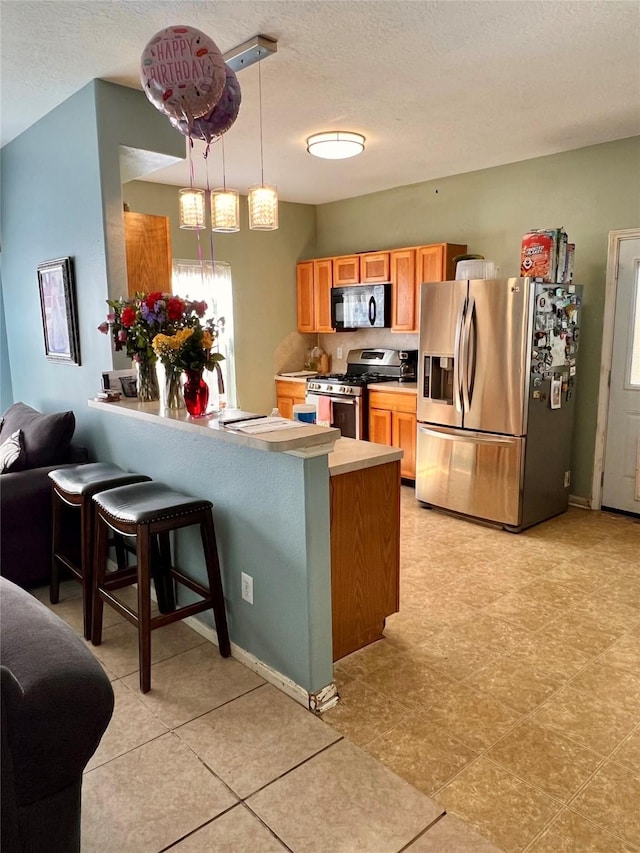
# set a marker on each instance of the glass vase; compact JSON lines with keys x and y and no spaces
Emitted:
{"x":196,"y":393}
{"x":172,"y":398}
{"x":147,"y":380}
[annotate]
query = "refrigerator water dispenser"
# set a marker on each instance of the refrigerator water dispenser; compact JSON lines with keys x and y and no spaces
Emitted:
{"x":438,"y":378}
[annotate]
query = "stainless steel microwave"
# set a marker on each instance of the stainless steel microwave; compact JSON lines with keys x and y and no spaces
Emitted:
{"x":361,"y":306}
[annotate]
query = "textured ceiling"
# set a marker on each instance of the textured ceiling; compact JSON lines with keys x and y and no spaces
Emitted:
{"x":438,"y":88}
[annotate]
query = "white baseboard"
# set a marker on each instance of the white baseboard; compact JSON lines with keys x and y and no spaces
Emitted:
{"x":317,"y":702}
{"x":576,"y":500}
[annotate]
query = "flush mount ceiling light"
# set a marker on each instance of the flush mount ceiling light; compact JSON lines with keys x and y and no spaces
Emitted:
{"x":335,"y":144}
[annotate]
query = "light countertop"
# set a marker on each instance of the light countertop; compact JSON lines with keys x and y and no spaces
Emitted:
{"x":403,"y":387}
{"x":304,"y":440}
{"x":350,"y":454}
{"x":302,"y":376}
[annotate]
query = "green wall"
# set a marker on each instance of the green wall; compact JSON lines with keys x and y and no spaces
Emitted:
{"x":590,"y":192}
{"x":264,"y":283}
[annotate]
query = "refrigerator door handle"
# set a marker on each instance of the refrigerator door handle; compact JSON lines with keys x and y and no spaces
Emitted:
{"x":455,"y":435}
{"x":457,"y":355}
{"x":468,"y":370}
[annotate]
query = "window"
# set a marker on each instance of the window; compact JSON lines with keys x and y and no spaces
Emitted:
{"x":212,"y":282}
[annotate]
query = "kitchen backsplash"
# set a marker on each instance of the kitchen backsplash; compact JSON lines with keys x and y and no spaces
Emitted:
{"x":363,"y":339}
{"x":290,"y":353}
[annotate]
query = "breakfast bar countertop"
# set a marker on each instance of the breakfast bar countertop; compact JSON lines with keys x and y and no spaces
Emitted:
{"x":304,"y":440}
{"x":350,"y":454}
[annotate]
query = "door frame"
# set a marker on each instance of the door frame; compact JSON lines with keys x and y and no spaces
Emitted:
{"x":611,"y":292}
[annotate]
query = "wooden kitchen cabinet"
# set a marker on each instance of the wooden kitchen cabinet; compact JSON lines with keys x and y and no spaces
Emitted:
{"x":289,"y":394}
{"x":431,"y":263}
{"x":148,"y":249}
{"x":392,"y":421}
{"x":374,"y":267}
{"x":403,"y":290}
{"x":314,"y":280}
{"x":346,"y":270}
{"x":365,"y":557}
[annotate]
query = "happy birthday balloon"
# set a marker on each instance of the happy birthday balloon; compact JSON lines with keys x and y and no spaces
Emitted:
{"x":182,"y":72}
{"x":219,"y":120}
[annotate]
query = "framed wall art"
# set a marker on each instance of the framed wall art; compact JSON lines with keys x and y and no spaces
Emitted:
{"x":59,"y":312}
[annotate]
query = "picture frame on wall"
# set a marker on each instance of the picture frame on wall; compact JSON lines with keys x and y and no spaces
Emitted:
{"x":59,"y":311}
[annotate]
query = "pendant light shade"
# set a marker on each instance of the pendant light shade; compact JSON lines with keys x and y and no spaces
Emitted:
{"x":335,"y":145}
{"x":263,"y":199}
{"x":263,"y":208}
{"x":192,"y":209}
{"x":225,"y":211}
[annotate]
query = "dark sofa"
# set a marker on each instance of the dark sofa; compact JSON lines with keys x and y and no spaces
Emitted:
{"x":44,"y":442}
{"x":56,"y":704}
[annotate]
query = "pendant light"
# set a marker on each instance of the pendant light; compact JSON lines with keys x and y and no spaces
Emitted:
{"x":192,"y":209}
{"x":225,"y":205}
{"x":263,"y":199}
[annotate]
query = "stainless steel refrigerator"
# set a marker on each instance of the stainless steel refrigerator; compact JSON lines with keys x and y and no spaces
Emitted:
{"x":496,"y":389}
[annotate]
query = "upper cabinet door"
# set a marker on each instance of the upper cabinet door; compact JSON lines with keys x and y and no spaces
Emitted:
{"x":322,"y":283}
{"x":346,"y":270}
{"x":304,"y":284}
{"x":374,"y":267}
{"x":430,"y":263}
{"x":148,"y":247}
{"x":403,"y":280}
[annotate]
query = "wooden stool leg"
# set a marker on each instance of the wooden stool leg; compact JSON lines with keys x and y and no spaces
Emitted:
{"x":56,"y":538}
{"x":208,"y":534}
{"x":101,"y":551}
{"x":87,"y":524}
{"x":144,"y":606}
{"x":161,"y":572}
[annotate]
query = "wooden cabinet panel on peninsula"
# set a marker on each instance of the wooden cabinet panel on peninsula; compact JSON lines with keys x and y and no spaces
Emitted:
{"x":365,"y":557}
{"x":288,"y":394}
{"x":314,"y":280}
{"x":392,"y":421}
{"x":148,"y":247}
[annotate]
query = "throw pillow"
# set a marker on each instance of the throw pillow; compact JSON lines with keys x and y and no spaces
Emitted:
{"x":46,"y":438}
{"x":11,"y":453}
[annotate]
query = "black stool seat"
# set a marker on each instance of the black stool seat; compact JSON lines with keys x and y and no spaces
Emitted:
{"x":92,"y":478}
{"x":74,"y":487}
{"x":143,"y":503}
{"x":145,"y":511}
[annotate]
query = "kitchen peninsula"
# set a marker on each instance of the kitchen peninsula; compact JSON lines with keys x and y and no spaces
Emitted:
{"x":313,"y":518}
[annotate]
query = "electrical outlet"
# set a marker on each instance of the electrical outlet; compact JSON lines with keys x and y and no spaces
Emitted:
{"x":339,"y":352}
{"x":246,"y":582}
{"x":567,"y":479}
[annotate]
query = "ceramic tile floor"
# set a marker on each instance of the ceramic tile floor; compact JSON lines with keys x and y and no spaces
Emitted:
{"x":500,"y":712}
{"x":508,"y":687}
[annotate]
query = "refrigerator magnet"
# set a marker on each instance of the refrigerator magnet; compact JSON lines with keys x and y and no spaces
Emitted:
{"x":556,"y":393}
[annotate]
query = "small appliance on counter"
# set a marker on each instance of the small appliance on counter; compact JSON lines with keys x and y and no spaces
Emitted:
{"x":408,"y":365}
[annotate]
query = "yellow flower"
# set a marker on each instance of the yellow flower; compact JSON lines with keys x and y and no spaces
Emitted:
{"x":207,"y":340}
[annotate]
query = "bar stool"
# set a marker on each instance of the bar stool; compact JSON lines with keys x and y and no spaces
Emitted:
{"x":142,"y":511}
{"x":75,"y":486}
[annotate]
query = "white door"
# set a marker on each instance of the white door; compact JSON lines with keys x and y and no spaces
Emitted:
{"x":621,"y":483}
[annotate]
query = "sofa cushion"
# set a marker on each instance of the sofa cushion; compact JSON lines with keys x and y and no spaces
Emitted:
{"x":46,"y":437}
{"x":12,"y":453}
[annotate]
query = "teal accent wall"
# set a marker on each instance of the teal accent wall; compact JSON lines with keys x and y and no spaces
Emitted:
{"x":590,"y":192}
{"x":6,"y":394}
{"x":61,"y":195}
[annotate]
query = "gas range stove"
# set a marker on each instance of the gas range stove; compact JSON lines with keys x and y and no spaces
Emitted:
{"x":364,"y":367}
